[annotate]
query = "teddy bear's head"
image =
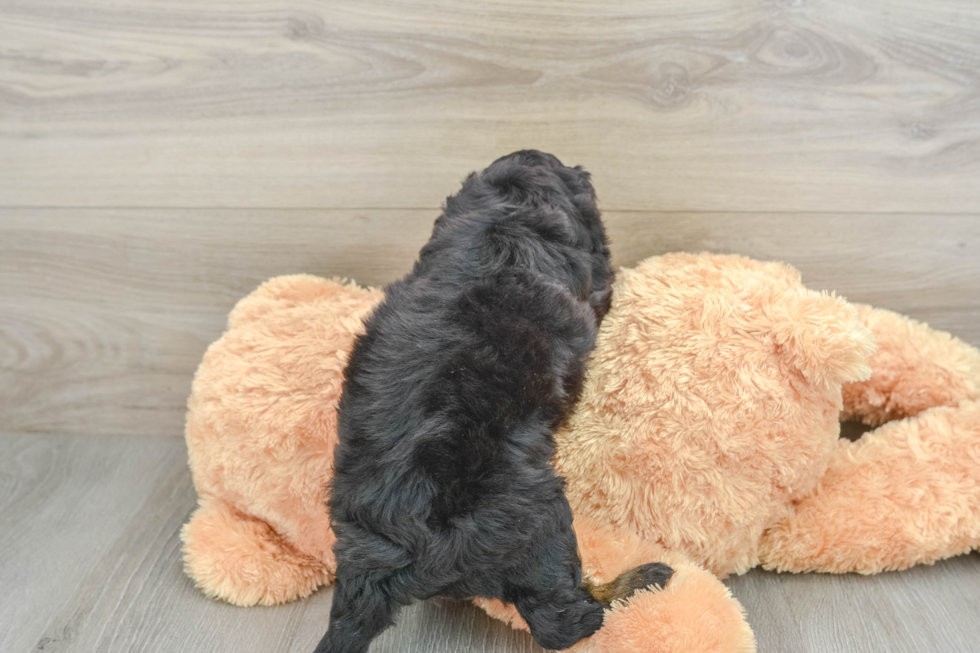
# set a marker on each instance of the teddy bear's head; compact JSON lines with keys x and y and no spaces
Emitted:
{"x":711,"y":402}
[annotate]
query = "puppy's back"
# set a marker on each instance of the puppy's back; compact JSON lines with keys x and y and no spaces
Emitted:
{"x":472,"y":360}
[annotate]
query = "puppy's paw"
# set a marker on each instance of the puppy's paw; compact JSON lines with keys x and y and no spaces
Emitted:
{"x":654,"y":574}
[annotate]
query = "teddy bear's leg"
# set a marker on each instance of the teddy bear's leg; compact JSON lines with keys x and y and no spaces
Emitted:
{"x":693,"y":613}
{"x":904,"y":494}
{"x":244,"y":561}
{"x":914,"y":368}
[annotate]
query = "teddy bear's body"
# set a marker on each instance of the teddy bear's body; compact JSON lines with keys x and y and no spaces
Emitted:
{"x":707,"y":434}
{"x":261,"y":428}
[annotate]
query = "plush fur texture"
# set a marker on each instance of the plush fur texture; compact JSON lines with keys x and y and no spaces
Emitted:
{"x":737,"y":371}
{"x":726,"y":364}
{"x":908,"y":492}
{"x":261,"y":431}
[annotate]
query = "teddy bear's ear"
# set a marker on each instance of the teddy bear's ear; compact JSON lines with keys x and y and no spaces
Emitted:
{"x":822,"y":336}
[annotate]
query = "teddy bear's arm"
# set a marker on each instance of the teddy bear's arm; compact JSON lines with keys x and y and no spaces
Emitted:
{"x":908,"y":492}
{"x":904,"y":494}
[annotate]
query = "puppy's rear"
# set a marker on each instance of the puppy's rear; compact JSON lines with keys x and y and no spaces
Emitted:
{"x":442,"y":483}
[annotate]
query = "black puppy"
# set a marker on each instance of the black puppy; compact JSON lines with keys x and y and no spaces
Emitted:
{"x":442,"y":484}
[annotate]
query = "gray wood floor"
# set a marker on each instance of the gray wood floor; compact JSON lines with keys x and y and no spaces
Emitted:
{"x":91,"y":564}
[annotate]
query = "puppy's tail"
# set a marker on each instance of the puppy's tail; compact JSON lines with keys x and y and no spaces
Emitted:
{"x":651,"y":575}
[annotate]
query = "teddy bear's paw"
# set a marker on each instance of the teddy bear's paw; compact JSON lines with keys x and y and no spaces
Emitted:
{"x":653,"y":575}
{"x":244,"y":561}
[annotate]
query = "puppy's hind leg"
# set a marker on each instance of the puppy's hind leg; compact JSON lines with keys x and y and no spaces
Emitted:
{"x":560,"y":616}
{"x":361,"y":609}
{"x":563,"y":615}
{"x":549,"y":592}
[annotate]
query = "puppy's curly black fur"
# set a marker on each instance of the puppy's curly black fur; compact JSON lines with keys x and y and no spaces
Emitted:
{"x":442,"y":484}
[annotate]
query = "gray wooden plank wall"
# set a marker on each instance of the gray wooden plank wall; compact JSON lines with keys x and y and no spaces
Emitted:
{"x":160,"y":159}
{"x":105,"y":313}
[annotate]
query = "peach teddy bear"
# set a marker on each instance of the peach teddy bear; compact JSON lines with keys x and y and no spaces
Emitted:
{"x":707,"y":437}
